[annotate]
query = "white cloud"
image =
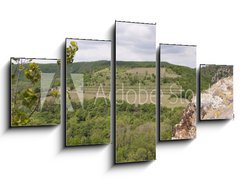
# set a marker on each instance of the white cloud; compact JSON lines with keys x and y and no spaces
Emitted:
{"x":135,"y":42}
{"x":91,"y":50}
{"x":178,"y":55}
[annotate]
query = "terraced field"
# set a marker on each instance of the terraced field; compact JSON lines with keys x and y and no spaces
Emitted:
{"x":136,"y":85}
{"x":165,"y":72}
{"x":142,"y":71}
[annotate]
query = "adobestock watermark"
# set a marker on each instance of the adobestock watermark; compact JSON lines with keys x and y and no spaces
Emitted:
{"x":173,"y":95}
{"x":135,"y":94}
{"x":49,"y":94}
{"x":132,"y":94}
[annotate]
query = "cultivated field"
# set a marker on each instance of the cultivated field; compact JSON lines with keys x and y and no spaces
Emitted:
{"x":168,"y":73}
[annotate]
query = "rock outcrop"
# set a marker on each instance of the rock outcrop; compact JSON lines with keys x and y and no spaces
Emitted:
{"x":186,"y":128}
{"x":217,"y":101}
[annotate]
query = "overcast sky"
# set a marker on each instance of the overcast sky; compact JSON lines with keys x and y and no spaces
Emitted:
{"x":135,"y":42}
{"x":91,"y":50}
{"x":179,"y":55}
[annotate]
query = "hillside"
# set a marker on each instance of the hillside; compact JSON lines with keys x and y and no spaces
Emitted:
{"x":134,"y":75}
{"x":85,"y":67}
{"x":210,"y":74}
{"x":135,"y":111}
{"x":134,"y":64}
{"x":185,"y":76}
{"x":88,"y":121}
{"x":177,"y":111}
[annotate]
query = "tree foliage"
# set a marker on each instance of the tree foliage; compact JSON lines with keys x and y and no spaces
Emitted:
{"x":32,"y":73}
{"x":169,"y":117}
{"x":71,"y":51}
{"x":26,"y":94}
{"x":25,"y":102}
{"x":135,"y":132}
{"x":89,"y":124}
{"x":210,"y":74}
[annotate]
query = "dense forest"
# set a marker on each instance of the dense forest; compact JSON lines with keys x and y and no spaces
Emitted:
{"x":27,"y":106}
{"x":178,"y":86}
{"x":135,"y":112}
{"x":89,"y":125}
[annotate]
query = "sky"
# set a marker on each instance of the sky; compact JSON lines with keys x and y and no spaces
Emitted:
{"x":91,"y":50}
{"x":135,"y":42}
{"x":179,"y":55}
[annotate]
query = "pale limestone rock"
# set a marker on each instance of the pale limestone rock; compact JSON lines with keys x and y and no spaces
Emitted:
{"x":217,"y":101}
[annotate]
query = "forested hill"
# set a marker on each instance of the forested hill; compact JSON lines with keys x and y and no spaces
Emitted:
{"x":76,"y":67}
{"x":176,"y":67}
{"x":187,"y":76}
{"x":45,"y":68}
{"x":134,"y":64}
{"x":49,"y":68}
{"x":84,"y":67}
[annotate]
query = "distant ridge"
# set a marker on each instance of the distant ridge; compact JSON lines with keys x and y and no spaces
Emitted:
{"x":167,"y":64}
{"x":133,"y":64}
{"x":83,"y":67}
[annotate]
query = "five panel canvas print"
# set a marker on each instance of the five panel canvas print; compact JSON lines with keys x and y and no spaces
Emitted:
{"x":87,"y":92}
{"x":35,"y":92}
{"x":135,"y":92}
{"x":177,"y":92}
{"x":216,"y":97}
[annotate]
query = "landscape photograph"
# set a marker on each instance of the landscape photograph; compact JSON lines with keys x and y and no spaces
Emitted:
{"x":35,"y":92}
{"x":88,"y":92}
{"x":135,"y":91}
{"x":177,"y":92}
{"x":216,"y":92}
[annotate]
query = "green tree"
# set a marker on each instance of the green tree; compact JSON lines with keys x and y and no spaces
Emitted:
{"x":25,"y":103}
{"x":71,"y":51}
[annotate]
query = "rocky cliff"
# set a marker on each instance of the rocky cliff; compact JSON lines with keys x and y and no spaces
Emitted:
{"x":217,"y":101}
{"x":186,"y":128}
